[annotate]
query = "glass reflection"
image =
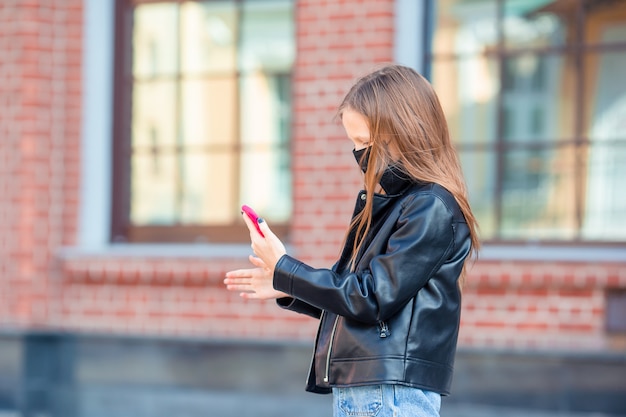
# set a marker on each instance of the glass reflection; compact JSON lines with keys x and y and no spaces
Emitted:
{"x":204,"y":191}
{"x":479,"y":169}
{"x":153,"y":191}
{"x":265,"y":58}
{"x":154,"y":114}
{"x":155,"y":37}
{"x":607,"y":21}
{"x":209,"y":111}
{"x":209,"y":36}
{"x":533,"y":24}
{"x":605,"y":203}
{"x":539,"y":191}
{"x":267,"y":36}
{"x":467,"y":89}
{"x":465,"y":27}
{"x":265,"y":173}
{"x":605,"y":208}
{"x":534,"y":98}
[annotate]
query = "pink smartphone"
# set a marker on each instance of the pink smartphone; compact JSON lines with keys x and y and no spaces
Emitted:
{"x":252,"y":216}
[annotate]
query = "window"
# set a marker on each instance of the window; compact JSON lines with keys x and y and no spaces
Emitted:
{"x":202,"y":118}
{"x":536,"y":103}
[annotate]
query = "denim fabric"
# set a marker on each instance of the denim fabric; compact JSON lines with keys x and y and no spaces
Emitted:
{"x":385,"y":401}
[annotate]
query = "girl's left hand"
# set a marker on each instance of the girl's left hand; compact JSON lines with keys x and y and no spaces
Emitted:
{"x":268,"y":248}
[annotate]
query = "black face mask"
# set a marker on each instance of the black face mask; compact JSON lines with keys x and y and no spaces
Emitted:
{"x":360,"y":159}
{"x":392,"y":178}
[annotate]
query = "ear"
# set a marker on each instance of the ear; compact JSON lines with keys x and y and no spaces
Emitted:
{"x":391,"y":150}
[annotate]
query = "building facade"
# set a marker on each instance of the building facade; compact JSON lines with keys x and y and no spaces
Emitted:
{"x":132,"y":131}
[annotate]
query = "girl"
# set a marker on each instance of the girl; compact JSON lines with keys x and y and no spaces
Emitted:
{"x":389,"y":308}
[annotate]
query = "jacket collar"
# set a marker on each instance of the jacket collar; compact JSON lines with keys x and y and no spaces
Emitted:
{"x":395,"y":181}
{"x":381,"y":201}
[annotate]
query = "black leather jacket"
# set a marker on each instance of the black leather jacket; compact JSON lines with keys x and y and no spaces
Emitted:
{"x":395,"y":319}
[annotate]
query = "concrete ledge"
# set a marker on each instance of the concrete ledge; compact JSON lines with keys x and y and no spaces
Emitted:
{"x":557,"y":381}
{"x":69,"y":375}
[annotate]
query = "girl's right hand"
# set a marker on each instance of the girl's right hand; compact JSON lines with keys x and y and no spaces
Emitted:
{"x":254,"y":283}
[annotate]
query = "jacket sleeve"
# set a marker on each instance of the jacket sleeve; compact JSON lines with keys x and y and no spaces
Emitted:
{"x":422,"y":240}
{"x":299,"y":306}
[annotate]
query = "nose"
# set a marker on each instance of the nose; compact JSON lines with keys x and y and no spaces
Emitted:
{"x":360,"y":146}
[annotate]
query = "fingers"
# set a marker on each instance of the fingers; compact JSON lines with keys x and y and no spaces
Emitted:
{"x":249,"y":224}
{"x":264,"y":227}
{"x":238,"y":284}
{"x":238,"y":280}
{"x":256,"y":283}
{"x":239,"y":273}
{"x":256,"y":261}
{"x":231,"y":287}
{"x":254,"y":227}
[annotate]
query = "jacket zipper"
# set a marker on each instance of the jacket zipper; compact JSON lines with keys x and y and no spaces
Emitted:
{"x":384,"y":330}
{"x":330,"y":348}
{"x":314,"y":349}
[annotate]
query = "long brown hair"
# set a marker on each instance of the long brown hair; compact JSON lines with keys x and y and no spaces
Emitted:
{"x":407,"y":126}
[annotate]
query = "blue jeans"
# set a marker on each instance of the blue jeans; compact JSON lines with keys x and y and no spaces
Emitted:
{"x":385,"y":401}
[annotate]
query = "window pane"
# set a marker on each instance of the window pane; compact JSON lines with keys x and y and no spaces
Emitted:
{"x":605,"y":208}
{"x":479,"y":169}
{"x":267,"y":36}
{"x":607,"y":106}
{"x":153,"y":188}
{"x":467,"y":89}
{"x":266,"y":56}
{"x":534,"y":24}
{"x":209,"y":36}
{"x":154,"y":114}
{"x":465,"y":27}
{"x":607,"y":22}
{"x":265,"y":106}
{"x":209,"y":111}
{"x":155,"y":40}
{"x":538,"y":194}
{"x":265,"y":171}
{"x":538,"y":98}
{"x":208,"y":188}
{"x":266,"y":182}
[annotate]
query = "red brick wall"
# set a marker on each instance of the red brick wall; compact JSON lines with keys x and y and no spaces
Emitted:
{"x":172,"y":297}
{"x":337,"y":41}
{"x":40,"y":116}
{"x":506,"y":304}
{"x":539,"y":305}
